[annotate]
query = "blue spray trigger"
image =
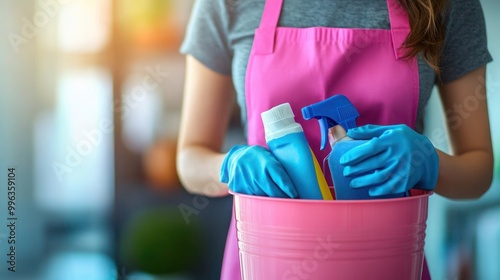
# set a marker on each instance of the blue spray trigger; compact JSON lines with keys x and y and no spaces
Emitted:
{"x":335,"y":110}
{"x":325,"y":124}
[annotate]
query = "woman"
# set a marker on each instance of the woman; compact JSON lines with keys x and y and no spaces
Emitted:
{"x":386,"y":56}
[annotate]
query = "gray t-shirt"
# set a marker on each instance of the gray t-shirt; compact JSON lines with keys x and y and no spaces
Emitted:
{"x":220,"y":35}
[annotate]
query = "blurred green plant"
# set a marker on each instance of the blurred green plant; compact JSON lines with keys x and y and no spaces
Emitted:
{"x":158,"y":241}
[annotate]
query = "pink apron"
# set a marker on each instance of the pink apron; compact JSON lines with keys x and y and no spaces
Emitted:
{"x":306,"y":65}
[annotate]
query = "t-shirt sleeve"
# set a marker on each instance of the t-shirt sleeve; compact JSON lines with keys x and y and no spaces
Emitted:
{"x":206,"y":35}
{"x":465,"y":46}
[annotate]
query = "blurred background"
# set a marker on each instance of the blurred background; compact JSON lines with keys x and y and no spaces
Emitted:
{"x":90,"y":96}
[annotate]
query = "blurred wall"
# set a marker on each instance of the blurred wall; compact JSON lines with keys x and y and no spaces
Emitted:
{"x":17,"y":113}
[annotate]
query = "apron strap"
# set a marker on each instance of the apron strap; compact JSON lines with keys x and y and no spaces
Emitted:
{"x":267,"y":28}
{"x":400,"y":27}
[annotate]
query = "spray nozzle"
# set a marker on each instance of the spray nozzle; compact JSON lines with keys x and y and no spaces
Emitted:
{"x":336,"y":110}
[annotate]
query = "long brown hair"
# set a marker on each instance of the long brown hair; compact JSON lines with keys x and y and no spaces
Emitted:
{"x":427,"y":29}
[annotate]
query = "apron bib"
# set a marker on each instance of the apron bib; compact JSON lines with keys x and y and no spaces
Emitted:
{"x":302,"y":66}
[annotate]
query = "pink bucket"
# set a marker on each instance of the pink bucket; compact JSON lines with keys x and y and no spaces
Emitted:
{"x":288,"y":239}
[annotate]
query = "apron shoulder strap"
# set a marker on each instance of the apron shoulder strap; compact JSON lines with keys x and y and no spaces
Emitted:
{"x":400,"y":26}
{"x":267,"y":28}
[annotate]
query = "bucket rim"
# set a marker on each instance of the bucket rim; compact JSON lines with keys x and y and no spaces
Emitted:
{"x":416,"y":194}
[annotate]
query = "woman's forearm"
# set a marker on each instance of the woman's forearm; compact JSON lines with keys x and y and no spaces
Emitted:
{"x":206,"y":110}
{"x":199,"y":168}
{"x":468,"y":175}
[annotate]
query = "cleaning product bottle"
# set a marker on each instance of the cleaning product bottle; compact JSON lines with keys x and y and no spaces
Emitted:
{"x":287,"y":142}
{"x":336,"y":115}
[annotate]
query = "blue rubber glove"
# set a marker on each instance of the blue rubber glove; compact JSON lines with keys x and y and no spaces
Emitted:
{"x":395,"y":160}
{"x":254,"y":170}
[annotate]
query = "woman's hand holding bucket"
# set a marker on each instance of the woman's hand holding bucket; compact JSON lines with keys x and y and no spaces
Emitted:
{"x":395,"y":160}
{"x":254,"y":170}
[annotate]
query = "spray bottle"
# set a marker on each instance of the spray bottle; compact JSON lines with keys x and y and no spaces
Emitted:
{"x":336,"y":115}
{"x":287,"y":142}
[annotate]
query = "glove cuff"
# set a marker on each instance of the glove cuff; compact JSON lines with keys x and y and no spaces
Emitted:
{"x":224,"y":173}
